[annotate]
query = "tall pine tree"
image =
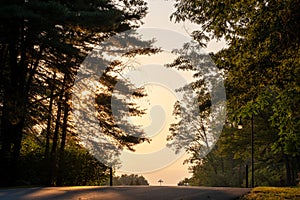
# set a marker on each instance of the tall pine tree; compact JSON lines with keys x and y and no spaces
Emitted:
{"x":38,"y":38}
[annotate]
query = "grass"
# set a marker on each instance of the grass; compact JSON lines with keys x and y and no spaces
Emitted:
{"x":273,"y":193}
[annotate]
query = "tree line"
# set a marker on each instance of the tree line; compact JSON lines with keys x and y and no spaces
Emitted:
{"x":260,"y":67}
{"x":131,"y":179}
{"x":42,"y":44}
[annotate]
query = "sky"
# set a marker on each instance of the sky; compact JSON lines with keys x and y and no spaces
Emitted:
{"x":159,"y":17}
{"x":154,"y":161}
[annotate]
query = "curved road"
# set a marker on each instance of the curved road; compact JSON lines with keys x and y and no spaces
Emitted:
{"x":123,"y":193}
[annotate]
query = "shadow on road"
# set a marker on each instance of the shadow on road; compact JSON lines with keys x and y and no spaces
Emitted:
{"x":123,"y":193}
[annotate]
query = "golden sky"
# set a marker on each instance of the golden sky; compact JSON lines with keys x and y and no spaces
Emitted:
{"x":160,"y":101}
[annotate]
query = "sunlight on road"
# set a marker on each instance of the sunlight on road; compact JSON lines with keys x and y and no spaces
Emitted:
{"x":122,"y":193}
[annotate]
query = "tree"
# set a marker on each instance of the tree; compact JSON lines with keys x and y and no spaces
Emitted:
{"x":113,"y":98}
{"x":260,"y":62}
{"x":227,"y":162}
{"x":79,"y":166}
{"x":200,"y":113}
{"x":184,"y":182}
{"x":131,"y":179}
{"x":39,"y":38}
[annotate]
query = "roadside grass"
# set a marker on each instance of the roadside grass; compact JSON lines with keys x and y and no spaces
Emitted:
{"x":273,"y":193}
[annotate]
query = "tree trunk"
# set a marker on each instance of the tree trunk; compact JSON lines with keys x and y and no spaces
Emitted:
{"x":14,"y":105}
{"x":63,"y":141}
{"x":53,"y":154}
{"x":288,"y":171}
{"x":49,"y":119}
{"x":47,"y":162}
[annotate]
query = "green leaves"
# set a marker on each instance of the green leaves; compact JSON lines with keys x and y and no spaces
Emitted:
{"x":261,"y":63}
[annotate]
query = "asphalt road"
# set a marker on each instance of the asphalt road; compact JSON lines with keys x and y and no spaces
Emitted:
{"x":123,"y":193}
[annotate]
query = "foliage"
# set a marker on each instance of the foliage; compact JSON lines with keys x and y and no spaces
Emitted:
{"x":260,"y":63}
{"x":42,"y":44}
{"x":131,"y":179}
{"x":184,"y":182}
{"x":106,"y":118}
{"x":200,"y":113}
{"x":270,"y":193}
{"x":79,"y":167}
{"x":226,"y":164}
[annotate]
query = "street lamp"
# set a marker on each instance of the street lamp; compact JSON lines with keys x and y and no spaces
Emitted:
{"x":110,"y":176}
{"x":240,"y":126}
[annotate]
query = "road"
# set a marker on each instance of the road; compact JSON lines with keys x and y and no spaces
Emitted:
{"x":123,"y":193}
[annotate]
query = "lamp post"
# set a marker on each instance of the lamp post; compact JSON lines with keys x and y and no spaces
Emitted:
{"x":110,"y":176}
{"x":240,"y":126}
{"x":247,"y":185}
{"x":252,"y":151}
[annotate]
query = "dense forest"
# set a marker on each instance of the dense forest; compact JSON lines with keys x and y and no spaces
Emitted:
{"x":260,"y":66}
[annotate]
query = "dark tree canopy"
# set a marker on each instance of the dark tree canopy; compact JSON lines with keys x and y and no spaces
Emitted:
{"x":42,"y":44}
